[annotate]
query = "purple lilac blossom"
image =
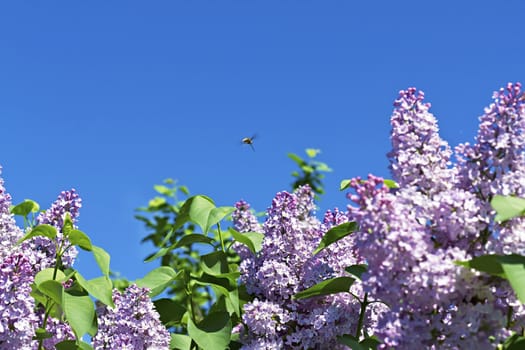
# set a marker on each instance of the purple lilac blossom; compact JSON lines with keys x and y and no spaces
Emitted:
{"x":419,"y":157}
{"x":59,"y":330}
{"x":17,"y":318}
{"x":10,"y":233}
{"x":440,"y":214}
{"x":44,"y":249}
{"x":285,"y":266}
{"x":133,"y":323}
{"x":244,"y":221}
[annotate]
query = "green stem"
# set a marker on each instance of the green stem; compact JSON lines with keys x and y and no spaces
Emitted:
{"x":220,"y":236}
{"x":364,"y":304}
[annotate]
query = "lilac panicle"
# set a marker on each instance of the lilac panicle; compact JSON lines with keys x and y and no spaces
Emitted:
{"x":18,"y":320}
{"x":440,"y":214}
{"x":285,"y":266}
{"x":67,"y":202}
{"x":44,"y":249}
{"x":244,"y":221}
{"x":499,"y":146}
{"x":419,"y":157}
{"x":10,"y":233}
{"x":59,"y":330}
{"x":132,"y":324}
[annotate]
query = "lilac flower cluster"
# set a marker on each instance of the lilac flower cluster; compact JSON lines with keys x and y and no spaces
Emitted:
{"x":17,"y":317}
{"x":132,"y":324}
{"x":58,"y":329}
{"x":244,"y":221}
{"x":19,"y":264}
{"x":285,"y":266}
{"x":10,"y":233}
{"x":440,"y":214}
{"x":43,"y":250}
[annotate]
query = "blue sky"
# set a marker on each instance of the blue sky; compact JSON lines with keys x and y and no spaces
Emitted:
{"x":113,"y":97}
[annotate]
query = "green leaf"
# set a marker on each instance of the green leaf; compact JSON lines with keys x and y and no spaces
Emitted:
{"x":485,"y":263}
{"x":224,"y":283}
{"x":44,"y":230}
{"x":511,"y":267}
{"x":507,"y":207}
{"x":351,"y":341}
{"x":170,"y":311}
{"x":26,"y":207}
{"x":370,"y":343}
{"x":200,"y":210}
{"x":186,"y":240}
{"x":73,"y":345}
{"x":330,"y":286}
{"x":213,"y":333}
{"x":157,"y":280}
{"x":357,"y":270}
{"x":312,"y":152}
{"x":80,"y":313}
{"x":215,"y":263}
{"x":296,"y":159}
{"x":47,"y":275}
{"x":323,"y":167}
{"x":344,"y":184}
{"x":334,"y":234}
{"x":180,"y":342}
{"x":67,"y":226}
{"x":41,"y":333}
{"x":514,"y":268}
{"x":253,"y":240}
{"x":102,"y":258}
{"x":216,"y":215}
{"x":52,"y":289}
{"x":80,"y":239}
{"x":101,"y":288}
{"x":192,"y":238}
{"x":514,"y":342}
{"x":307,"y":168}
{"x":391,"y":184}
{"x":162,"y":190}
{"x":197,"y":209}
{"x":156,"y":202}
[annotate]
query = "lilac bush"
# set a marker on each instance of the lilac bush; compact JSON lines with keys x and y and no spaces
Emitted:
{"x":22,"y":316}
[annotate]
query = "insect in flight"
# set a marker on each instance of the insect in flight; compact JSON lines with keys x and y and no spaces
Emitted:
{"x":249,"y":141}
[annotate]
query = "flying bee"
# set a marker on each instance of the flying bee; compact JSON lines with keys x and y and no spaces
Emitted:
{"x":249,"y":141}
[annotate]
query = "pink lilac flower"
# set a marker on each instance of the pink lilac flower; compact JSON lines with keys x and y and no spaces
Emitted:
{"x":132,"y":324}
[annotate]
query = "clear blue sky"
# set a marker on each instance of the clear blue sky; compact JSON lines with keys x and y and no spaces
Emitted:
{"x":112,"y":97}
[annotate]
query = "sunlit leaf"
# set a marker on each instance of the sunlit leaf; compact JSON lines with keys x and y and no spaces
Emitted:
{"x":213,"y":333}
{"x":334,"y":234}
{"x":26,"y":207}
{"x":43,"y":230}
{"x":330,"y":286}
{"x":253,"y":240}
{"x":507,"y":207}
